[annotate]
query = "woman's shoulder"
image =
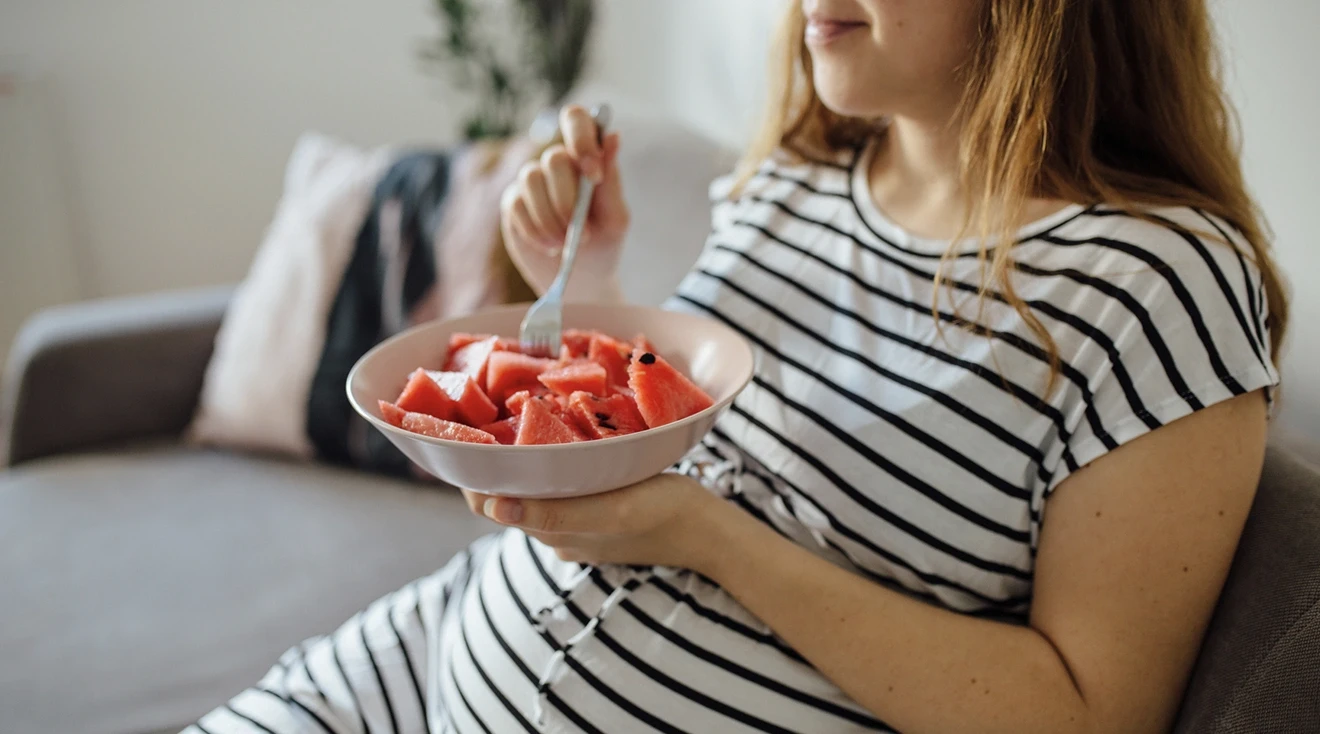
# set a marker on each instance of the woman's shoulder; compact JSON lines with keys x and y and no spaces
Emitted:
{"x":1169,"y":237}
{"x":1170,"y":286}
{"x":1152,"y":253}
{"x":1166,"y":311}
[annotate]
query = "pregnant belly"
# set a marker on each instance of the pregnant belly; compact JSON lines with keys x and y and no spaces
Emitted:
{"x":536,"y":644}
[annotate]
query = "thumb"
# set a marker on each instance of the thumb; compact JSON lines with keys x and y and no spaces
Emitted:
{"x":608,"y":208}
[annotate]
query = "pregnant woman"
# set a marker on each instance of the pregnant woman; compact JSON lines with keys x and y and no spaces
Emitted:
{"x":1015,"y":316}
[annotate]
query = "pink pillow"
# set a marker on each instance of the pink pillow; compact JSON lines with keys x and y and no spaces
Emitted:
{"x":255,"y":392}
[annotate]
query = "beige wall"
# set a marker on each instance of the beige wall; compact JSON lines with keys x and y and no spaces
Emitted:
{"x":165,"y":125}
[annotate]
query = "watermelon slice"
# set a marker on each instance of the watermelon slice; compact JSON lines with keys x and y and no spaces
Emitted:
{"x":505,"y":431}
{"x":584,"y":376}
{"x":459,"y":340}
{"x":450,"y":431}
{"x":423,"y":395}
{"x":515,"y":402}
{"x":577,"y":342}
{"x":471,"y":358}
{"x":611,"y":354}
{"x":471,"y":404}
{"x":641,"y":342}
{"x":600,"y":417}
{"x":509,"y":372}
{"x":663,"y":394}
{"x":538,"y":426}
{"x":392,"y":413}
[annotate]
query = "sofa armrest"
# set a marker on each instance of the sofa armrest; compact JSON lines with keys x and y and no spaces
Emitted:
{"x":1256,"y":670}
{"x":103,"y":371}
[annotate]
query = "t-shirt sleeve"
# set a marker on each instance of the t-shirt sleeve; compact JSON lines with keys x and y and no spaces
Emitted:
{"x":1192,"y":333}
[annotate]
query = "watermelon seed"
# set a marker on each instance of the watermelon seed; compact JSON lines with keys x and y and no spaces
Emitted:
{"x":647,"y":358}
{"x":606,"y":424}
{"x":602,"y":416}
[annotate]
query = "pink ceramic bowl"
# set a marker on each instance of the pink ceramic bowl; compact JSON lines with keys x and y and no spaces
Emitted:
{"x":716,"y":357}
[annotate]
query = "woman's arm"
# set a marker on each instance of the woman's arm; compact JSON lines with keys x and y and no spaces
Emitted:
{"x":1131,"y":561}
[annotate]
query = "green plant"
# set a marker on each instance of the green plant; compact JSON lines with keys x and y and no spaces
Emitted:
{"x":539,"y":62}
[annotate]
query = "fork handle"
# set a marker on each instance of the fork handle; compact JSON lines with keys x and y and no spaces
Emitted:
{"x":577,"y":225}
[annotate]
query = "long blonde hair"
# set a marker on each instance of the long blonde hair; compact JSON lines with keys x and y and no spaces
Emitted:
{"x":1088,"y":101}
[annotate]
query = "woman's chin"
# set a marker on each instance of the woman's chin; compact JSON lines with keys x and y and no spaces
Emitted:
{"x":847,"y":103}
{"x":842,"y":90}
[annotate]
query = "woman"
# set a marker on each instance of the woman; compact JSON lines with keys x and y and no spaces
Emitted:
{"x":983,"y":245}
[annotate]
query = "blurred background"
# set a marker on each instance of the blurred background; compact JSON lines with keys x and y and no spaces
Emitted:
{"x":143,"y":141}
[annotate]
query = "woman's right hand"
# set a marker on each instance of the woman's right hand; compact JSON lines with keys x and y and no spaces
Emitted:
{"x":536,"y":208}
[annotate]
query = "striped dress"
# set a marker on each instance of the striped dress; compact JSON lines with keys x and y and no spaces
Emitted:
{"x":882,"y":431}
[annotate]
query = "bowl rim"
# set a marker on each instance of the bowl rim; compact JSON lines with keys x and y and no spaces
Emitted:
{"x":718,"y":405}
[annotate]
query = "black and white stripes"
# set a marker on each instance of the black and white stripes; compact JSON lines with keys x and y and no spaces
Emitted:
{"x":896,"y":429}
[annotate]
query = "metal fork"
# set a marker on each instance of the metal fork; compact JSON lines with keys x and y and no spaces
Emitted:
{"x":543,"y":326}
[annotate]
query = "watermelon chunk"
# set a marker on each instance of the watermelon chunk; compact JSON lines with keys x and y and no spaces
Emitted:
{"x":505,"y":431}
{"x":450,"y":431}
{"x":392,"y":413}
{"x":471,"y":358}
{"x":423,"y":395}
{"x":577,"y":342}
{"x":460,"y":339}
{"x":600,"y":417}
{"x":472,"y":406}
{"x":514,"y":404}
{"x":611,"y":354}
{"x":641,"y":342}
{"x":663,"y":394}
{"x":509,"y":372}
{"x":584,"y":376}
{"x":538,"y":426}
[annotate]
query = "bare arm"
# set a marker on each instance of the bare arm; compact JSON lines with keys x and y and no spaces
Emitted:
{"x":1132,"y":558}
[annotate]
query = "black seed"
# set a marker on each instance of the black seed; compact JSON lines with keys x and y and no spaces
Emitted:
{"x":647,"y":358}
{"x":602,"y":416}
{"x":606,"y":424}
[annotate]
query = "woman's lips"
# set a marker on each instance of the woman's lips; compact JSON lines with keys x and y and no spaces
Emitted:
{"x":821,"y":31}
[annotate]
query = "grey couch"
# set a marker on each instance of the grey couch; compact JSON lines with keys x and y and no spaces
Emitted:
{"x":144,"y":581}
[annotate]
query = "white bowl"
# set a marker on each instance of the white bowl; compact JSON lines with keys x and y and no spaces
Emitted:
{"x":714,"y":356}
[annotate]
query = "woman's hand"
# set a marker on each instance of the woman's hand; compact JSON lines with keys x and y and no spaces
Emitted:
{"x":536,"y":209}
{"x":668,"y":520}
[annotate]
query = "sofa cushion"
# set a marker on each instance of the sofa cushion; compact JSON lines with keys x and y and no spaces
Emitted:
{"x":1259,"y":668}
{"x":148,"y":586}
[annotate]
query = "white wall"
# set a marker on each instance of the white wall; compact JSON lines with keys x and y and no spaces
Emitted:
{"x":176,"y":117}
{"x":170,"y":122}
{"x":1275,"y":65}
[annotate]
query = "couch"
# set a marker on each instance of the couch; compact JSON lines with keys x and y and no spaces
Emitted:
{"x":144,"y":581}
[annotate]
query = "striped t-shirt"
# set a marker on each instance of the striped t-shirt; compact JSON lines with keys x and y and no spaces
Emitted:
{"x":878,"y":432}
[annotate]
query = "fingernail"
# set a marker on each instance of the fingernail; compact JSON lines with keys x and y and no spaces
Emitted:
{"x":509,"y":511}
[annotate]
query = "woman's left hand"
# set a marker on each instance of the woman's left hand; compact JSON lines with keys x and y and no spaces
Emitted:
{"x":663,"y":521}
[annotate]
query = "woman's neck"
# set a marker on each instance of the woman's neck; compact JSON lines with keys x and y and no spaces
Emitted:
{"x":914,"y":178}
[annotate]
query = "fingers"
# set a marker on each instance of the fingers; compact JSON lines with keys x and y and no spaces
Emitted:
{"x":582,"y":140}
{"x":544,"y":223}
{"x":475,"y":501}
{"x":561,"y":179}
{"x":602,"y":514}
{"x":538,"y":206}
{"x":516,"y":220}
